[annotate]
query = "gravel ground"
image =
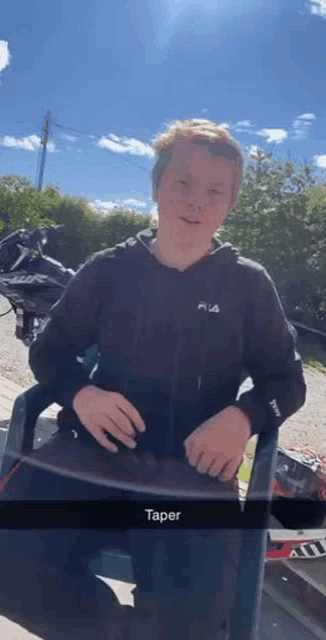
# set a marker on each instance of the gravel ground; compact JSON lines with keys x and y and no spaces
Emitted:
{"x":14,"y":354}
{"x":304,"y":431}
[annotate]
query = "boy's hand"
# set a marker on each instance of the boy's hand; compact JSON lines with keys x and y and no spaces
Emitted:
{"x":106,"y":412}
{"x":219,"y":443}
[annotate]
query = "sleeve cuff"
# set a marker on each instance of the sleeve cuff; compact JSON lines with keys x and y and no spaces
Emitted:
{"x":65,"y":396}
{"x":261,"y":419}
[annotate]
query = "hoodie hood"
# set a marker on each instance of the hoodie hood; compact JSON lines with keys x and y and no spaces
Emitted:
{"x":224,"y":253}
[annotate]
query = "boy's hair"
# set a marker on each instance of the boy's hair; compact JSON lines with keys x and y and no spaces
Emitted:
{"x":206,"y":132}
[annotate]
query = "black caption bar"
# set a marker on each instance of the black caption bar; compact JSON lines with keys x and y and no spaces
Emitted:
{"x":118,"y":514}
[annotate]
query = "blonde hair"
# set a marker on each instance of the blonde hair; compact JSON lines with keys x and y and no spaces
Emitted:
{"x":219,"y":141}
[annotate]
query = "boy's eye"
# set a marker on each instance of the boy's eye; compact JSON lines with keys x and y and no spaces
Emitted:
{"x":184,"y":182}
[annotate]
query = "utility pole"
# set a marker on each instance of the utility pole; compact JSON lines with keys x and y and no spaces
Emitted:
{"x":44,"y":143}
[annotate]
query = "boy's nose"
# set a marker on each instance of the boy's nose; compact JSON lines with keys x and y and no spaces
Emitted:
{"x":194,"y":204}
{"x":194,"y":208}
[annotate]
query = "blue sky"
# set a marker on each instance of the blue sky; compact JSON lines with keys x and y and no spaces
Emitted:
{"x":113,"y":73}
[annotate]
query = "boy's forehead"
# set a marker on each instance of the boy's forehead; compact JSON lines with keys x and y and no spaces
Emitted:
{"x":187,"y":154}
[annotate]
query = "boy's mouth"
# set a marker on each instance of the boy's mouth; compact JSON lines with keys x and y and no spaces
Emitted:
{"x":189,"y":221}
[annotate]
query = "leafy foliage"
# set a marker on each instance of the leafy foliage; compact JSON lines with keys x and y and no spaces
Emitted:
{"x":279,"y":220}
{"x":84,"y":231}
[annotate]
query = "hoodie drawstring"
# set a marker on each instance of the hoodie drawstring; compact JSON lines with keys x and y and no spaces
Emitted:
{"x":203,"y":353}
{"x":170,"y":438}
{"x":136,"y":337}
{"x":206,"y":330}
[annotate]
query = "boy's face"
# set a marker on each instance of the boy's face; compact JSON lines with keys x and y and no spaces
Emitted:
{"x":194,"y":195}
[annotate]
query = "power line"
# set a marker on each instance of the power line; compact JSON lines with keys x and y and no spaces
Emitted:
{"x":56,"y":124}
{"x":85,"y":133}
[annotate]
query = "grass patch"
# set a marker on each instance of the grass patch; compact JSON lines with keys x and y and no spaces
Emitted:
{"x":244,"y":472}
{"x":248,"y":459}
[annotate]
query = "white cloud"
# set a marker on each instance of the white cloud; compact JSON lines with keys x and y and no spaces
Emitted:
{"x":154,"y":211}
{"x":273,"y":135}
{"x":126,"y":145}
{"x":243,"y":126}
{"x":253,"y":150}
{"x":30,"y":143}
{"x":320,"y":161}
{"x":113,"y":137}
{"x":204,"y":110}
{"x":4,"y":54}
{"x":318,"y":7}
{"x":301,"y":125}
{"x":65,"y":136}
{"x":244,"y":123}
{"x":131,"y":202}
{"x":79,"y":151}
{"x":307,"y":116}
{"x":299,"y":132}
{"x":105,"y":207}
{"x":51,"y":147}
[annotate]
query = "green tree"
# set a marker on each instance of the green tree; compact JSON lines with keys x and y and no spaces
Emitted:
{"x":122,"y":224}
{"x":83,"y":230}
{"x":21,"y":205}
{"x":273,"y":222}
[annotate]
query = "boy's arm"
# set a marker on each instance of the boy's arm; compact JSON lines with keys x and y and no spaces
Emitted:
{"x":71,"y":329}
{"x":271,"y":359}
{"x":217,"y":446}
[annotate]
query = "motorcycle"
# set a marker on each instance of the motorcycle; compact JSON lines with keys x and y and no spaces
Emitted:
{"x":291,"y":545}
{"x":299,"y":502}
{"x":30,"y":280}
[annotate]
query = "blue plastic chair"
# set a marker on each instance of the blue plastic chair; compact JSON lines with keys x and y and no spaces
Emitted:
{"x":116,"y":564}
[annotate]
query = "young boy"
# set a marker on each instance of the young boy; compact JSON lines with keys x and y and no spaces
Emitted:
{"x":177,"y":316}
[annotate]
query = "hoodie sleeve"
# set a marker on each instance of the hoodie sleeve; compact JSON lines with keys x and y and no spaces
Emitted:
{"x":271,"y":358}
{"x":71,"y":329}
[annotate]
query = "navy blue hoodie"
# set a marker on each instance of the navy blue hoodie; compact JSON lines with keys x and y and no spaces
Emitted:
{"x":174,"y":343}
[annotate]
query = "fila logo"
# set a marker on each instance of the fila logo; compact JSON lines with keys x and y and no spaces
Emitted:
{"x":211,"y":308}
{"x":275,"y":408}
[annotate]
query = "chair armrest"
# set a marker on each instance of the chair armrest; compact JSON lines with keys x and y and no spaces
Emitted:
{"x":27,"y":408}
{"x":245,"y":613}
{"x":264,"y":467}
{"x":20,"y":436}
